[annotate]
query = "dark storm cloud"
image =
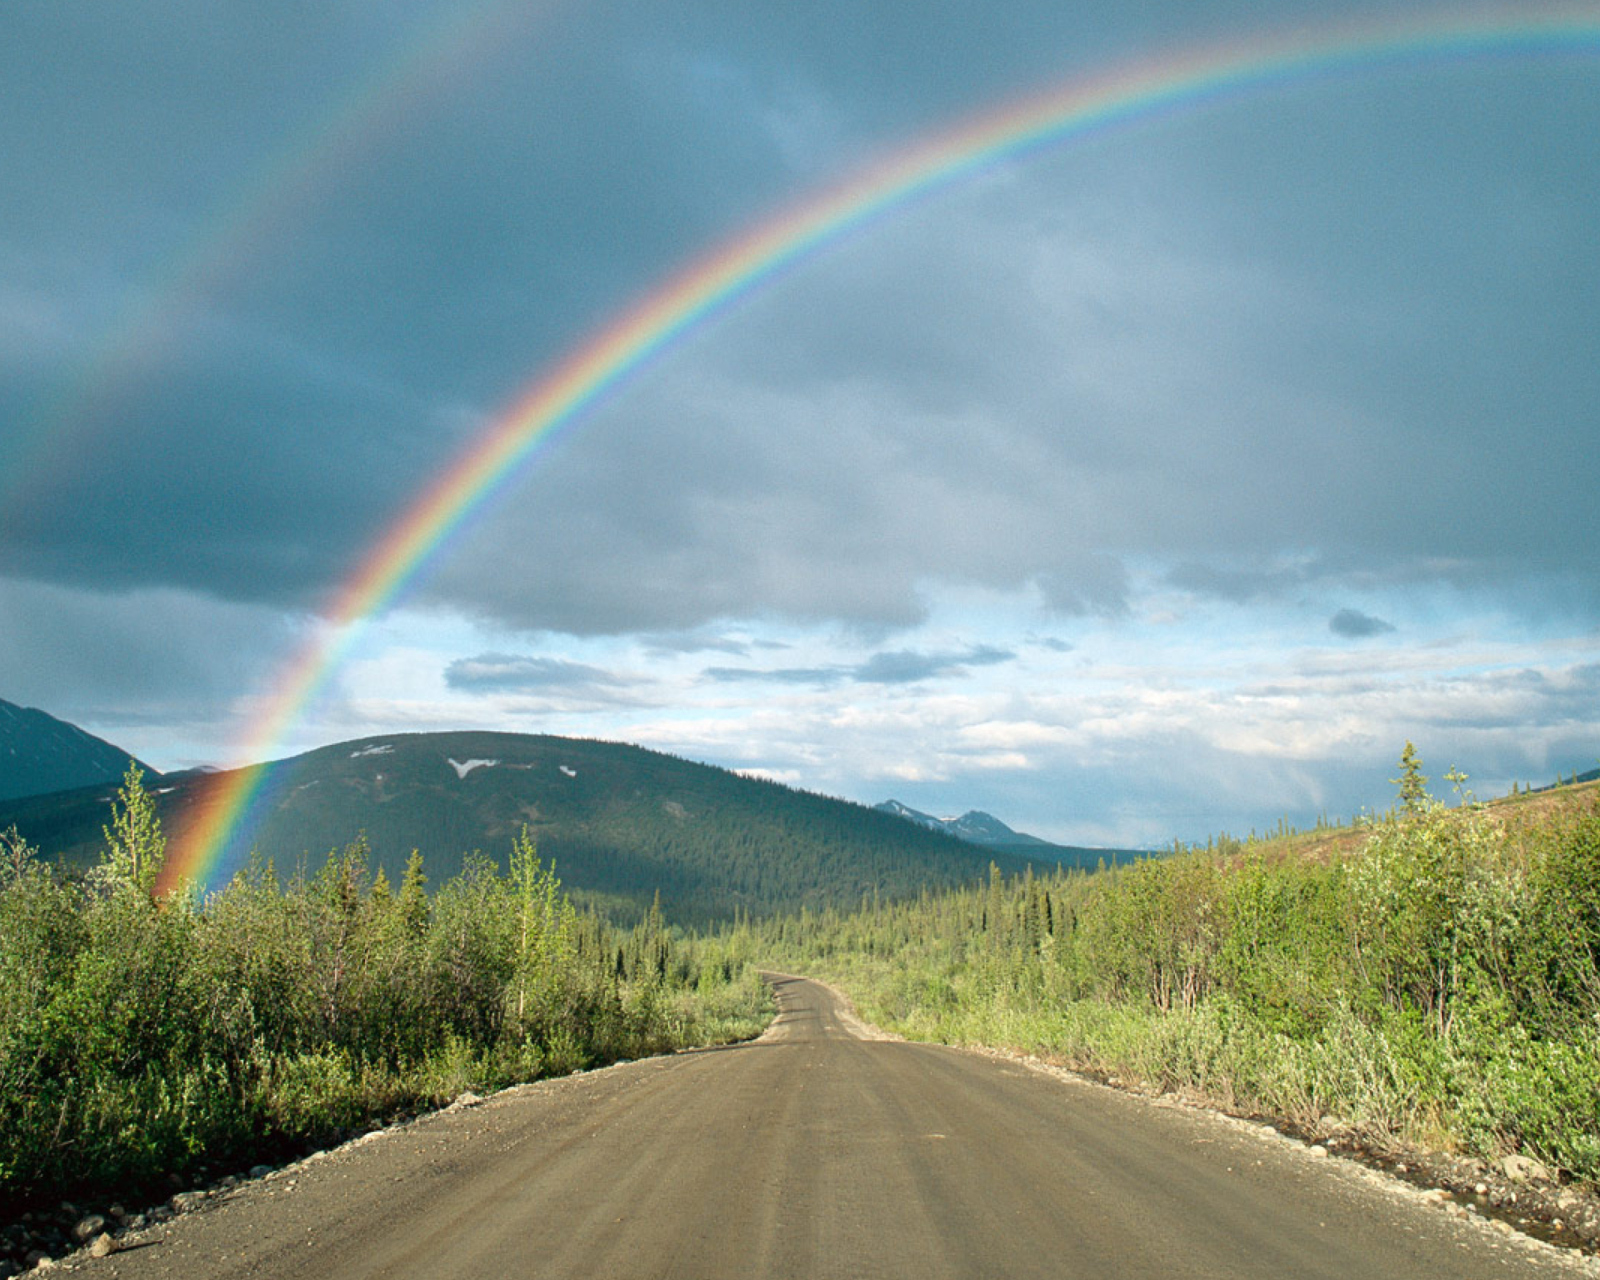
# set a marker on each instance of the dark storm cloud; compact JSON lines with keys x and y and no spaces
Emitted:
{"x":402,"y":261}
{"x":505,"y":673}
{"x":249,"y":480}
{"x":145,"y":657}
{"x":1229,"y":340}
{"x":1274,"y":417}
{"x":1355,"y":625}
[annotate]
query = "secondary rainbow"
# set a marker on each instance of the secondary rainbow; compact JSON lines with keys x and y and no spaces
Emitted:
{"x":289,"y":179}
{"x":216,"y":839}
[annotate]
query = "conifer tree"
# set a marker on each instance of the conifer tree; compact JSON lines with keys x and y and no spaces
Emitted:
{"x":413,"y":899}
{"x":1412,"y":782}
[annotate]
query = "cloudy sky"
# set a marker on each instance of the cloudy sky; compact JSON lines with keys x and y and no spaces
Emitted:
{"x":1161,"y":482}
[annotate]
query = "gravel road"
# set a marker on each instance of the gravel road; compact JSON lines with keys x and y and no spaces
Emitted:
{"x":816,"y":1151}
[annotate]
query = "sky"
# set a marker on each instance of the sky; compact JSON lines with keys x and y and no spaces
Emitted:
{"x":1162,"y":482}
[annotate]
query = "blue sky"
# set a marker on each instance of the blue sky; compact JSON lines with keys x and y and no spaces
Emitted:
{"x":1152,"y":485}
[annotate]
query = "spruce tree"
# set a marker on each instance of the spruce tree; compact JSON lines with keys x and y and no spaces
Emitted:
{"x":1412,"y":782}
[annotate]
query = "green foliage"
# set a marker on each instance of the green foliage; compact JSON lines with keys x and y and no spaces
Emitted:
{"x":135,"y":847}
{"x":1442,"y":982}
{"x":623,"y":823}
{"x":138,"y":1036}
{"x":1412,"y":783}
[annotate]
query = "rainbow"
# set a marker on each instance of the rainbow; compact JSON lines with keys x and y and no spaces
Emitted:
{"x":288,"y":179}
{"x":217,"y":837}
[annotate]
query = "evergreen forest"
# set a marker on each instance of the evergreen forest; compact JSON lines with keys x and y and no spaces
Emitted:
{"x":624,"y":824}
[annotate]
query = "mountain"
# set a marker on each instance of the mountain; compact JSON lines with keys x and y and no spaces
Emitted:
{"x":40,"y":754}
{"x":974,"y":826}
{"x":621,"y":822}
{"x":987,"y":831}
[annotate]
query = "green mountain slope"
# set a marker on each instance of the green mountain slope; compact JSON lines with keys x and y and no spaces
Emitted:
{"x":621,"y":823}
{"x":40,"y":754}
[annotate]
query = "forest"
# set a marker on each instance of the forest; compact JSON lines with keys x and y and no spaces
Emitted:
{"x":624,"y":824}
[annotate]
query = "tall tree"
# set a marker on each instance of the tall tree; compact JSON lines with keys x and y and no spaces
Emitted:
{"x":135,"y":847}
{"x":1412,"y":782}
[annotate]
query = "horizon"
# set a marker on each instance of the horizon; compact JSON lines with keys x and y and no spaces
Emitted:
{"x":1464,"y":793}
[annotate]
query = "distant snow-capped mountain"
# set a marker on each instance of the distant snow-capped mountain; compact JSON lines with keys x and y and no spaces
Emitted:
{"x":974,"y":826}
{"x":988,"y":832}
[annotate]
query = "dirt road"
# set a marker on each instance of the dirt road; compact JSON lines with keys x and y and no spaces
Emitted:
{"x":814,"y":1152}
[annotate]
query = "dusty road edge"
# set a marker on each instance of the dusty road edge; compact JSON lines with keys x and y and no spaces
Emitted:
{"x":1495,"y":1230}
{"x":184,"y":1203}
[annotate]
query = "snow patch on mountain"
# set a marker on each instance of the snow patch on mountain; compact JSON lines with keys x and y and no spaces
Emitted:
{"x":464,"y":767}
{"x":381,"y":749}
{"x":911,"y":815}
{"x":974,"y":826}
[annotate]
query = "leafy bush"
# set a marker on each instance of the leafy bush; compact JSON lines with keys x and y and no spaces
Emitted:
{"x":139,"y":1035}
{"x":1443,"y":982}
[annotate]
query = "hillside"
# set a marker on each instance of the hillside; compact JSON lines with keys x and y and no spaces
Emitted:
{"x":1516,"y":815}
{"x":621,"y":823}
{"x":40,"y":754}
{"x":1431,"y":979}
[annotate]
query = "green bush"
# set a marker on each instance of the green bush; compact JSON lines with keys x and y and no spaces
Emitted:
{"x":1442,"y":983}
{"x":139,"y":1036}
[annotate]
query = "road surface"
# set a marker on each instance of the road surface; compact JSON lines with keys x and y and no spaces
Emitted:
{"x":815,"y":1152}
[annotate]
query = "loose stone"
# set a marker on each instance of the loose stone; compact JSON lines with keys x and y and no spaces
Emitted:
{"x":1523,"y":1168}
{"x":88,"y":1228}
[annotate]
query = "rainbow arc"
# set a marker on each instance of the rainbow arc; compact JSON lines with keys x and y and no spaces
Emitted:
{"x":218,"y":838}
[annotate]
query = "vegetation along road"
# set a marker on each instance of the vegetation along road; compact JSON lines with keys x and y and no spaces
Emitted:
{"x":824,"y":1150}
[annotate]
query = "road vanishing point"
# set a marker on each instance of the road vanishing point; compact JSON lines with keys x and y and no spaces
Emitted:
{"x":824,"y":1150}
